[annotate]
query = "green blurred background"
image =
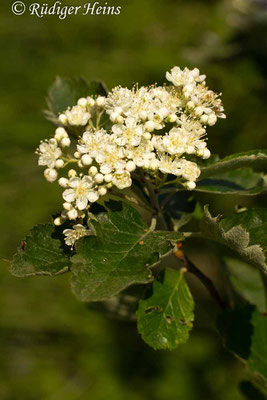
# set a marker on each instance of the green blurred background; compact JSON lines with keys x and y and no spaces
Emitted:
{"x":53,"y":347}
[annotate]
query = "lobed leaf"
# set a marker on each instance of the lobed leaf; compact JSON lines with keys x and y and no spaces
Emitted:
{"x":41,"y":253}
{"x":119,"y":255}
{"x":166,"y":317}
{"x":243,"y":232}
{"x":246,"y":281}
{"x":245,"y":332}
{"x":253,"y":158}
{"x":241,"y":181}
{"x":65,"y":93}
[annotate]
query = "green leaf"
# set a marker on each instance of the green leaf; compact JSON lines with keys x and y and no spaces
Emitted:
{"x":119,"y":255}
{"x":247,"y":282}
{"x":245,"y":332}
{"x":243,"y":232}
{"x":65,"y":93}
{"x":165,"y":318}
{"x":40,"y":254}
{"x":241,"y":181}
{"x":253,"y":158}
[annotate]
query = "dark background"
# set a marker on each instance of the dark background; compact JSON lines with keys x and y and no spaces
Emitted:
{"x":51,"y":346}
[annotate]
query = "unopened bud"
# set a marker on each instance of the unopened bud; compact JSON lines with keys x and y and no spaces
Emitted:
{"x":63,"y":119}
{"x":100,"y":101}
{"x":63,"y":182}
{"x":72,"y":214}
{"x":72,"y":173}
{"x":82,"y":102}
{"x":65,"y":142}
{"x":50,"y":175}
{"x":59,"y":163}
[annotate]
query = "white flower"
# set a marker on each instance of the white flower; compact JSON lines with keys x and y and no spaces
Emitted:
{"x":122,"y":179}
{"x":166,"y":164}
{"x":141,"y":154}
{"x":72,"y":235}
{"x":92,"y":142}
{"x":81,"y":191}
{"x":77,"y":116}
{"x":111,"y":157}
{"x":119,"y":98}
{"x":128,"y":134}
{"x":153,"y":128}
{"x":48,"y":152}
{"x":185,"y":77}
{"x":175,"y":141}
{"x":190,"y":170}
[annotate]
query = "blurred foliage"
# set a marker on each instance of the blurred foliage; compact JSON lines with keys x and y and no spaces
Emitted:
{"x":53,"y":347}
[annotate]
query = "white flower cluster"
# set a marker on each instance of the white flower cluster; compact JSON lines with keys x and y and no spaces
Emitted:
{"x":157,"y":128}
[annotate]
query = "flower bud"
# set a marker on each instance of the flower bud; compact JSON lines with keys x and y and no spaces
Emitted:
{"x":190,"y":105}
{"x":59,"y":163}
{"x":172,"y":118}
{"x":130,"y":166}
{"x":72,"y":173}
{"x":65,"y":142}
{"x":60,"y":133}
{"x":190,"y":185}
{"x":63,"y":182}
{"x":67,"y":206}
{"x":63,"y":119}
{"x":100,"y":101}
{"x":108,"y":178}
{"x":77,"y":154}
{"x":99,"y":178}
{"x":149,"y":126}
{"x":57,"y":221}
{"x":93,"y":171}
{"x":50,"y":175}
{"x":86,"y":159}
{"x":206,"y":154}
{"x":147,"y":135}
{"x":102,"y":191}
{"x":212,"y":119}
{"x":90,"y":101}
{"x":204,"y":118}
{"x":72,"y":214}
{"x":82,"y":102}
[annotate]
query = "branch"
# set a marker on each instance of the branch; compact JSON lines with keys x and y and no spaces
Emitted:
{"x":154,"y":201}
{"x":190,"y":267}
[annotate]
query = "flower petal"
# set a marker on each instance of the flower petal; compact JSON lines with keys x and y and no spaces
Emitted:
{"x":74,"y":182}
{"x":69,"y":195}
{"x":82,"y":202}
